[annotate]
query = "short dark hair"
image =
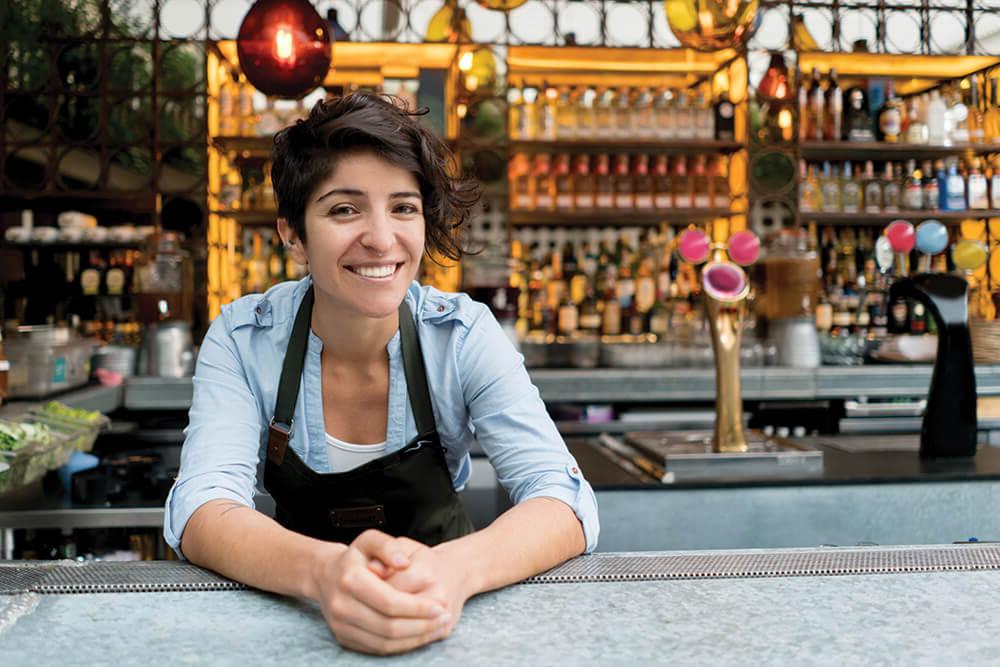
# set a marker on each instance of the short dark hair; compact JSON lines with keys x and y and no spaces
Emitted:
{"x":306,"y":152}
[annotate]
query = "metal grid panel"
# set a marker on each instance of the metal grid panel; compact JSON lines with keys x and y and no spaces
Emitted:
{"x":138,"y":577}
{"x":806,"y":563}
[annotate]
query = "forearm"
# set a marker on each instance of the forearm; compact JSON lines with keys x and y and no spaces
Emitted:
{"x":243,"y":544}
{"x":529,"y":538}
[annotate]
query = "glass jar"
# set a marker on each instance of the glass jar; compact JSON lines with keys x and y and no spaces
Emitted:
{"x":789,"y":277}
{"x":163,"y":280}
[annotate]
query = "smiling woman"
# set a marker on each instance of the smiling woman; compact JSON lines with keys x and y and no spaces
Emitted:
{"x":362,"y":392}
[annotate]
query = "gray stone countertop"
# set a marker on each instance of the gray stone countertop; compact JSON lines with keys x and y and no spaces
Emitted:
{"x":915,"y":618}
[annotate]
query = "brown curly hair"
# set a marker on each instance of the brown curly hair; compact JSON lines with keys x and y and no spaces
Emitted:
{"x":305,"y":153}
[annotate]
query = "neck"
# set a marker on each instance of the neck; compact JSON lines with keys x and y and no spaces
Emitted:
{"x":353,"y":340}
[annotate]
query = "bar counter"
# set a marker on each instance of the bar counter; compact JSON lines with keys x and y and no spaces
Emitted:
{"x":812,"y":606}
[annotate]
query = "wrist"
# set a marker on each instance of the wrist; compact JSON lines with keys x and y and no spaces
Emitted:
{"x":320,"y":567}
{"x":463,"y":561}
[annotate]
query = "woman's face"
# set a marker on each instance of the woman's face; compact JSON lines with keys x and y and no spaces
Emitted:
{"x":365,"y":234}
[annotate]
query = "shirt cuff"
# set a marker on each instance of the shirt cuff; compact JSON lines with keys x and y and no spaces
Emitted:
{"x":179,"y":508}
{"x":580,"y":497}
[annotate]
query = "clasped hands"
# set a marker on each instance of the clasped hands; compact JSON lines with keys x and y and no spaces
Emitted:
{"x":386,"y":595}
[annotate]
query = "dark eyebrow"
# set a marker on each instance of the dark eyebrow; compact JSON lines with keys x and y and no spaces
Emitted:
{"x":404,"y":195}
{"x":342,"y":191}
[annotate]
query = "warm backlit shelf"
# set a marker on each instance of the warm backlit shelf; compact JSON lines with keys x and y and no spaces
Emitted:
{"x":912,"y":216}
{"x":613,"y":218}
{"x":881,"y":150}
{"x":661,"y":146}
{"x":255,"y":217}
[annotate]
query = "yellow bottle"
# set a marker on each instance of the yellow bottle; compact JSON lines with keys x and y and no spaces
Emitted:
{"x":992,"y":120}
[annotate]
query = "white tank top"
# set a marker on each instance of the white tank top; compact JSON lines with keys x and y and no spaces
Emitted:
{"x":345,"y":456}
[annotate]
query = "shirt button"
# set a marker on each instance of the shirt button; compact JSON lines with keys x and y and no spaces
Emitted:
{"x":440,"y":309}
{"x":575,"y":470}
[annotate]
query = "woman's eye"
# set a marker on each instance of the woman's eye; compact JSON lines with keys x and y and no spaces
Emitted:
{"x":342,"y":210}
{"x":407,"y":209}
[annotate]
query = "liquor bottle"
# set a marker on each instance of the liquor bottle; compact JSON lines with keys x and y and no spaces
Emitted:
{"x":720,"y":183}
{"x":521,"y":183}
{"x":529,"y":114}
{"x":659,"y":318}
{"x":589,"y":320}
{"x":991,"y":121}
{"x":681,"y":185}
{"x":850,"y":198}
{"x":890,"y":190}
{"x":833,"y":129}
{"x":995,"y":184}
{"x":701,"y":185}
{"x":564,"y":197}
{"x":566,"y":115}
{"x":817,"y":100}
{"x":611,"y":316}
{"x":624,"y":187}
{"x":543,"y":183}
{"x":810,"y":198}
{"x":684,"y":126}
{"x":890,"y":117}
{"x":622,"y":115}
{"x":584,"y":185}
{"x":978,"y":189}
{"x":515,"y":110}
{"x":976,"y":121}
{"x":704,"y":118}
{"x":936,"y":128}
{"x":663,"y":197}
{"x":228,"y":120}
{"x":957,"y":119}
{"x":568,"y":318}
{"x":916,"y":131}
{"x":857,"y":121}
{"x":604,"y":185}
{"x":665,"y":113}
{"x":805,"y":117}
{"x":256,"y":268}
{"x":872,"y":190}
{"x":932,"y":190}
{"x":645,"y":288}
{"x":603,"y":111}
{"x":547,"y":114}
{"x":913,"y":191}
{"x":643,"y":117}
{"x":725,"y":118}
{"x":586,"y":118}
{"x":643,"y":183}
{"x":956,"y":189}
{"x":829,"y":190}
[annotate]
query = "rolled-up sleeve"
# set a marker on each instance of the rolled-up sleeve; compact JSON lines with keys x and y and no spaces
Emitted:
{"x":220,"y":453}
{"x":515,"y":430}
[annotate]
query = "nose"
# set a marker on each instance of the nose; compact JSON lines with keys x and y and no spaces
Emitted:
{"x":379,"y":235}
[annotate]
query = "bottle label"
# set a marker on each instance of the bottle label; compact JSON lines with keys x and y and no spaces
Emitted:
{"x":683,"y":200}
{"x":890,"y":123}
{"x":913,"y":197}
{"x":663,"y":201}
{"x":115,"y":281}
{"x":585,"y":201}
{"x":995,"y":191}
{"x":644,"y":201}
{"x":590,"y":321}
{"x":90,"y":282}
{"x":624,"y":201}
{"x":564,"y":202}
{"x":605,"y":200}
{"x":978,"y":197}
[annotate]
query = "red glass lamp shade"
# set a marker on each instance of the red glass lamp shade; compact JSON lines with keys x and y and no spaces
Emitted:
{"x":284,"y":47}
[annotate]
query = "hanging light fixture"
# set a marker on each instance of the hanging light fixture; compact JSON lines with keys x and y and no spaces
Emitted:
{"x":501,"y":5}
{"x":284,"y":47}
{"x":710,"y":25}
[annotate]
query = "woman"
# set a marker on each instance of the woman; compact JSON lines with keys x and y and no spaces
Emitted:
{"x":309,"y":375}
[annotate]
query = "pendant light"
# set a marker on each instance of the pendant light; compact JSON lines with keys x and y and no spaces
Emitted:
{"x":710,"y":25}
{"x":284,"y":47}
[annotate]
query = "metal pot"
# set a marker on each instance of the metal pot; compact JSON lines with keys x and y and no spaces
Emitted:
{"x":167,"y":350}
{"x":117,"y":358}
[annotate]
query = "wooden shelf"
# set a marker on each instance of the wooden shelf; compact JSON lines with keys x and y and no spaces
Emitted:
{"x":876,"y":218}
{"x":255,"y":217}
{"x":881,"y":150}
{"x":65,"y":246}
{"x":614,"y":218}
{"x":662,"y":146}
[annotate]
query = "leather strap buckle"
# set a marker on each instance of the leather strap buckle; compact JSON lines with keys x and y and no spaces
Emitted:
{"x":278,"y":435}
{"x":358,"y":517}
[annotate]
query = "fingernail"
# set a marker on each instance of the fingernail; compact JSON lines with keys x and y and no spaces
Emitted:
{"x":444,"y":619}
{"x":438,"y":610}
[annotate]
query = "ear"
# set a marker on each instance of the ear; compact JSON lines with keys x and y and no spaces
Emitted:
{"x":293,"y":245}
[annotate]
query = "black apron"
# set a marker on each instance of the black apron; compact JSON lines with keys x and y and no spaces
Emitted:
{"x":406,"y":493}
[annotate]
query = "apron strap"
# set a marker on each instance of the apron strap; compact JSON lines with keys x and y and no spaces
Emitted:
{"x":416,"y":374}
{"x":280,"y":428}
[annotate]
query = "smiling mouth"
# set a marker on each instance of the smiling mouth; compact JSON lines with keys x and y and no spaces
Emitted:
{"x":375,"y":272}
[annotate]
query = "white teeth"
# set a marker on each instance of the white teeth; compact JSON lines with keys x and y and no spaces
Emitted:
{"x":375,"y":271}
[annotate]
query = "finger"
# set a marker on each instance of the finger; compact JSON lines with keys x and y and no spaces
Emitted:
{"x":358,"y":639}
{"x":376,"y":544}
{"x":380,"y":570}
{"x":355,"y":613}
{"x":414,"y":579}
{"x":371,"y":591}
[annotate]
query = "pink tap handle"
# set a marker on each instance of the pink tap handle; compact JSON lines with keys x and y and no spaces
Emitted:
{"x":901,"y":235}
{"x":744,"y":248}
{"x":693,"y":246}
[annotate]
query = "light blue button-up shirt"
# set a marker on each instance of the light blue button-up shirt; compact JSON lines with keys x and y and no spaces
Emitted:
{"x":479,"y":390}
